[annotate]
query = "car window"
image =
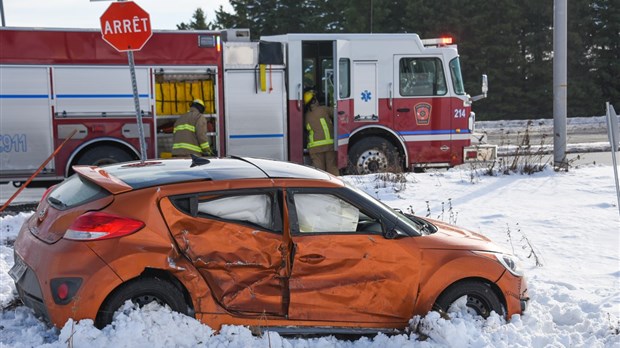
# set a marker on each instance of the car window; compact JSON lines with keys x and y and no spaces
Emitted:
{"x":255,"y":209}
{"x":321,"y":213}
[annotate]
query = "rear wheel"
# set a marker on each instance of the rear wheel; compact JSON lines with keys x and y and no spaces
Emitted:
{"x":142,"y":292}
{"x":104,"y":154}
{"x":479,"y":298}
{"x":374,"y":155}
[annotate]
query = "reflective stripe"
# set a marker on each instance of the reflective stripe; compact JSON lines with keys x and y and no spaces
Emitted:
{"x":187,"y":147}
{"x":205,"y":146}
{"x":314,"y":143}
{"x":187,"y":127}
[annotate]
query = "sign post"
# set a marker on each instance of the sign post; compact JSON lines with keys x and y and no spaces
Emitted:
{"x":127,"y":28}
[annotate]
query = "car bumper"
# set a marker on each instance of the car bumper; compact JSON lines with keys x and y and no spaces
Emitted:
{"x":515,"y":293}
{"x":41,"y":262}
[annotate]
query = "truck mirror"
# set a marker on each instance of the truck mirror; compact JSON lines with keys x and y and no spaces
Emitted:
{"x":485,"y":85}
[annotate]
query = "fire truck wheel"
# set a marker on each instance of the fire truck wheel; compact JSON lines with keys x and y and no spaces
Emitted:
{"x":374,"y":155}
{"x":104,"y":154}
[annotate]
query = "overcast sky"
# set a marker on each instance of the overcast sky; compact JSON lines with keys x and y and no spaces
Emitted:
{"x":165,"y":14}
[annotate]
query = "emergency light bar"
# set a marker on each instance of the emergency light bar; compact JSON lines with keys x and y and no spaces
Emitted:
{"x":442,"y":41}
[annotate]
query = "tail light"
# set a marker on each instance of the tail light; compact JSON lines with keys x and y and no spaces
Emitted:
{"x":64,"y":289}
{"x":98,"y":226}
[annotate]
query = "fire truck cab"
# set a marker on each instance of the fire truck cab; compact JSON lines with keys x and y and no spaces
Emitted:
{"x":398,"y":101}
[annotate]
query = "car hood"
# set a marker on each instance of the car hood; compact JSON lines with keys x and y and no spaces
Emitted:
{"x":450,"y":237}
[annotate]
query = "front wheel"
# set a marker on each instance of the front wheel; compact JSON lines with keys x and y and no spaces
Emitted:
{"x":374,"y":155}
{"x":141,"y":292}
{"x":478,"y":297}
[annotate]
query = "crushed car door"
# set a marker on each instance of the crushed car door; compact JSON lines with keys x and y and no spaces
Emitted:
{"x":234,"y":239}
{"x":344,"y":267}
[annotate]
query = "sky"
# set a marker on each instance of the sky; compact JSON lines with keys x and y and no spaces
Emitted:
{"x":564,"y":227}
{"x":165,"y":14}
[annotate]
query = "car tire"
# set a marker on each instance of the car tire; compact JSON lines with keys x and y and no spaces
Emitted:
{"x":480,"y":298}
{"x":374,"y":155}
{"x":142,"y":291}
{"x":104,"y":154}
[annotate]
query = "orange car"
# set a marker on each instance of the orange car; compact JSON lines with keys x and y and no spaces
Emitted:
{"x":252,"y":242}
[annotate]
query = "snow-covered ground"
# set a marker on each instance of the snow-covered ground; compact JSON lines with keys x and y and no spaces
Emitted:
{"x":565,"y":227}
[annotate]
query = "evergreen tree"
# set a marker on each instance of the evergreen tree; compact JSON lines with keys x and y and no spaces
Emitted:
{"x":199,"y":22}
{"x":606,"y":51}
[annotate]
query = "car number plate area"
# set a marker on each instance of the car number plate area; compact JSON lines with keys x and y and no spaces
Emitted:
{"x":17,"y":271}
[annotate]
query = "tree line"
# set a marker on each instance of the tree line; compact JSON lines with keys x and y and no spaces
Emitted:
{"x":510,"y":41}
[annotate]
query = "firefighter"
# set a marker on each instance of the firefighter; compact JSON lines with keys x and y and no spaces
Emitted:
{"x":190,"y":133}
{"x":319,"y":124}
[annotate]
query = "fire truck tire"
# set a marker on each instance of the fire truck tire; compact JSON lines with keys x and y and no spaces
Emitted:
{"x":374,"y":155}
{"x":104,"y":154}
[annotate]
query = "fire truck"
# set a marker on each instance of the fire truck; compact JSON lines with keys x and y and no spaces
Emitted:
{"x":398,"y":101}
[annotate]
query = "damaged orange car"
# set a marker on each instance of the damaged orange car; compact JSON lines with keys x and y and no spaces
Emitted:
{"x":253,"y":242}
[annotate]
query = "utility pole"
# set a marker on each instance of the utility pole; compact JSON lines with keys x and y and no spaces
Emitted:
{"x":560,"y":84}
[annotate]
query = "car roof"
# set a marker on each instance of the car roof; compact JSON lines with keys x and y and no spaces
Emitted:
{"x":149,"y":173}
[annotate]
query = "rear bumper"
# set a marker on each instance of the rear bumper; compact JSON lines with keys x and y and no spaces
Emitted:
{"x":44,"y":262}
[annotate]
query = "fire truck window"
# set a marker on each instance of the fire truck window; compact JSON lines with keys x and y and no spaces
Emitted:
{"x":421,"y":77}
{"x":309,"y":66}
{"x":344,"y":78}
{"x":457,"y":79}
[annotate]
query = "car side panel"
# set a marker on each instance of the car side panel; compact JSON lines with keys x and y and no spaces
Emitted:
{"x":242,"y":265}
{"x":356,"y":278}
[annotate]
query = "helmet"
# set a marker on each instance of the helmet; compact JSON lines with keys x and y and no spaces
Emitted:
{"x":199,"y":105}
{"x":308,"y":96}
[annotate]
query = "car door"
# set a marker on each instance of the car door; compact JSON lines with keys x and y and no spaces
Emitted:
{"x":344,"y":268}
{"x":234,"y":239}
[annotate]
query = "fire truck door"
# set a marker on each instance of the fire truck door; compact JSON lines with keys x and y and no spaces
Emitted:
{"x":344,"y":103}
{"x":421,"y":108}
{"x":255,"y":119}
{"x":25,"y":119}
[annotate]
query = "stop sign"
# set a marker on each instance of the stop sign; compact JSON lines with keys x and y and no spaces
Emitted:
{"x":126,"y":26}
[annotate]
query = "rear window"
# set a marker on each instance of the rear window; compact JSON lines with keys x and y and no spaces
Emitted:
{"x":75,"y":191}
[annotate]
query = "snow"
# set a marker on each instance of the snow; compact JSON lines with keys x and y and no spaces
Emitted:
{"x":563,"y":226}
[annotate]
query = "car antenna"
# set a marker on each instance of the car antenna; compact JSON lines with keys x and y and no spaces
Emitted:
{"x":198,"y":161}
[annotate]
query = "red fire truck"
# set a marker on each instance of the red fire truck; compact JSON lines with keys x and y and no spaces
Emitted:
{"x":399,"y":101}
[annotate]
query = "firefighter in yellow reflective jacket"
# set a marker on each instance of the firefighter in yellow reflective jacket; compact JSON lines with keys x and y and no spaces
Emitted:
{"x":319,"y":124}
{"x":190,"y":133}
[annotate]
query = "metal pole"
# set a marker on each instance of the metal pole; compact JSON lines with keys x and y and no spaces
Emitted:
{"x":2,"y":12}
{"x":559,"y":84}
{"x":136,"y":100}
{"x":612,"y":132}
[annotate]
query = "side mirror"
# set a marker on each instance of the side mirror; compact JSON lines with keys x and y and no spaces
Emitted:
{"x":485,"y":89}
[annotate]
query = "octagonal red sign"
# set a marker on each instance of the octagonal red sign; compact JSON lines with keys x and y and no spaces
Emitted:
{"x":126,"y":26}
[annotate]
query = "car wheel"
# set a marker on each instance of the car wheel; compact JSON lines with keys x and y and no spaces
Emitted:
{"x":373,"y":155}
{"x":480,"y":298}
{"x":141,"y":292}
{"x":104,"y":154}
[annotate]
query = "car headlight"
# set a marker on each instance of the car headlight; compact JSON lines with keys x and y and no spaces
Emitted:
{"x":511,"y":263}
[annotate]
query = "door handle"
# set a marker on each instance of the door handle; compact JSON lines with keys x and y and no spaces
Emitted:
{"x":403,"y":110}
{"x":340,"y":112}
{"x":312,"y":258}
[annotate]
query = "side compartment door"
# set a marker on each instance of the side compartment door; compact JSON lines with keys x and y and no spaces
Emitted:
{"x":234,"y":239}
{"x":255,"y":119}
{"x":344,"y":102}
{"x":25,"y":119}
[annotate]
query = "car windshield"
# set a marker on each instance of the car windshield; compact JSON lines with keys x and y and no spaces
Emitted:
{"x":388,"y":211}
